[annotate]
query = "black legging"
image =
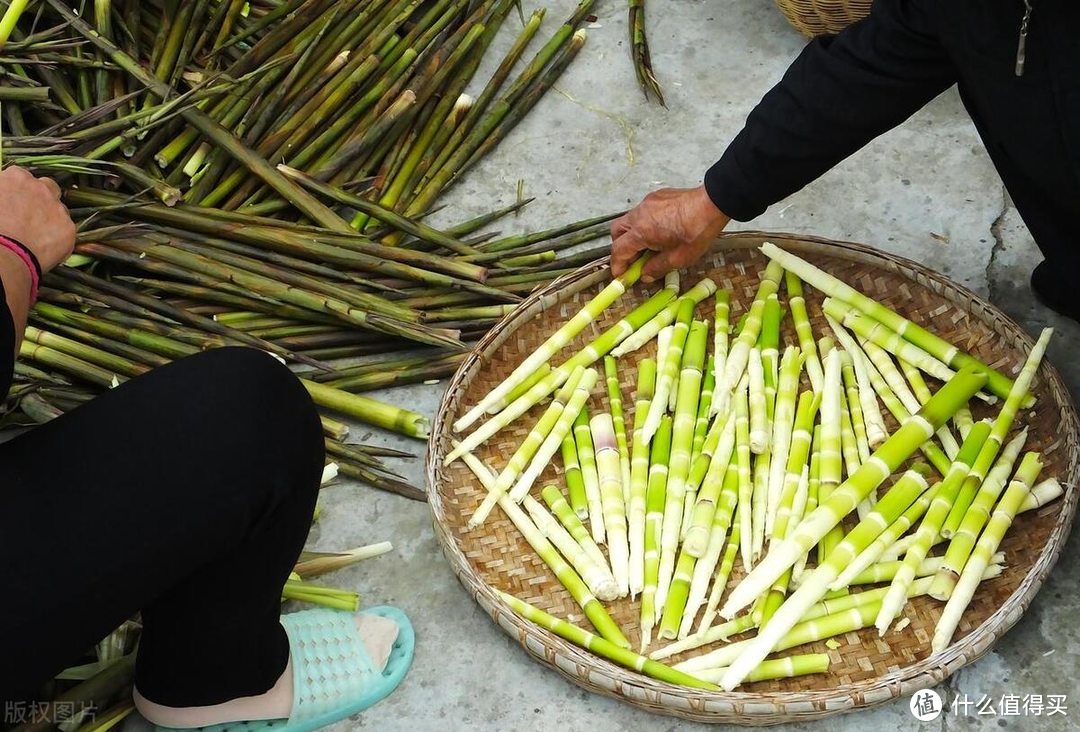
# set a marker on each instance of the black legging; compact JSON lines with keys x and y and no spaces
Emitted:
{"x":185,"y":494}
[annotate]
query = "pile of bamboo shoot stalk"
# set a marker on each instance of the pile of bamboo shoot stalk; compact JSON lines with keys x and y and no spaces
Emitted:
{"x":732,"y":455}
{"x":259,"y":173}
{"x":262,"y":173}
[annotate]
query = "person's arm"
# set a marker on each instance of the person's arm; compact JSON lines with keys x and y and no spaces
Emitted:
{"x":840,"y":93}
{"x":30,"y":213}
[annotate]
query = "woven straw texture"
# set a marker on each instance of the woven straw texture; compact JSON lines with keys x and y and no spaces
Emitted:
{"x":865,"y":670}
{"x":823,"y":17}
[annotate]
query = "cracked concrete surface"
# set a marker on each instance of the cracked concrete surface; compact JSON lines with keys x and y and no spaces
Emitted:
{"x":926,"y":190}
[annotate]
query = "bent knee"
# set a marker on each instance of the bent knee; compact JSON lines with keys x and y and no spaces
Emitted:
{"x":259,"y":398}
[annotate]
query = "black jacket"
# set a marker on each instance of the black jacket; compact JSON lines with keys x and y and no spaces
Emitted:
{"x":843,"y":91}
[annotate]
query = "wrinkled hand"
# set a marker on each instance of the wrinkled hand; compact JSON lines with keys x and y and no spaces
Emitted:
{"x":679,"y":224}
{"x":31,"y":211}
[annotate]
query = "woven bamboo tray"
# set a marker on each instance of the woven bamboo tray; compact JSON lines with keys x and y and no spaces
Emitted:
{"x":823,"y":17}
{"x":865,"y":670}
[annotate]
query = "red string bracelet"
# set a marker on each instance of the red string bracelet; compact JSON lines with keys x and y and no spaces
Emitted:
{"x":23,"y":252}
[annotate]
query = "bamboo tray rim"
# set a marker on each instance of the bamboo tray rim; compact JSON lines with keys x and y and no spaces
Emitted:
{"x":602,"y":676}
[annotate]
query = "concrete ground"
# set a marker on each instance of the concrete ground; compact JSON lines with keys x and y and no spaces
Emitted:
{"x":926,"y":190}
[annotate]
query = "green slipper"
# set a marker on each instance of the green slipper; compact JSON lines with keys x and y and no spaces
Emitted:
{"x":333,"y":677}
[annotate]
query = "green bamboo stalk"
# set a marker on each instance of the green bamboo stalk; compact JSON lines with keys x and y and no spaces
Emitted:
{"x":805,"y":332}
{"x":963,"y":540}
{"x":654,"y":519}
{"x":663,"y":318}
{"x":378,"y":211}
{"x":898,"y":448}
{"x":575,"y":484}
{"x":611,"y":373}
{"x":721,"y":544}
{"x":678,"y":487}
{"x":701,"y":521}
{"x":596,"y":575}
{"x":68,"y":364}
{"x":721,"y":333}
{"x":528,"y":447}
{"x":349,"y":250}
{"x":566,"y":575}
{"x":988,"y":543}
{"x":556,"y":341}
{"x":639,"y":52}
{"x":854,"y":403}
{"x":759,"y":419}
{"x":15,"y":9}
{"x":483,"y":101}
{"x":639,"y":476}
{"x":415,"y":374}
{"x":371,"y":411}
{"x":501,"y":116}
{"x":937,"y":347}
{"x":554,"y":439}
{"x":668,"y":368}
{"x":782,"y":422}
{"x":602,"y":647}
{"x":1017,"y":397}
{"x":572,"y":523}
{"x":701,"y":426}
{"x":214,"y":132}
{"x":748,"y":336}
{"x":90,"y":354}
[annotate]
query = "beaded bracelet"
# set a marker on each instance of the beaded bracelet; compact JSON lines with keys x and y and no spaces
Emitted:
{"x":23,"y":252}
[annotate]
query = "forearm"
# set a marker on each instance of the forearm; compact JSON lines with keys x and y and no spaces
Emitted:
{"x":839,"y":94}
{"x":16,"y":284}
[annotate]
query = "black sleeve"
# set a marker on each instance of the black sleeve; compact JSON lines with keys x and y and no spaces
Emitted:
{"x":7,"y":343}
{"x":840,"y":93}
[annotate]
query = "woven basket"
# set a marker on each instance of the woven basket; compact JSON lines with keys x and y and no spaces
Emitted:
{"x":865,"y":670}
{"x":823,"y":17}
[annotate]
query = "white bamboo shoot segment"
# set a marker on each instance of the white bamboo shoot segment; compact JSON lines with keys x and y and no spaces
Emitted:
{"x":804,"y":331}
{"x":748,"y":336}
{"x":938,"y":347}
{"x":682,"y":440}
{"x":599,"y":579}
{"x":875,"y":422}
{"x":639,"y":476}
{"x":553,"y":442}
{"x":544,"y":387}
{"x":988,"y":543}
{"x":720,"y":335}
{"x":759,"y":421}
{"x":566,"y":575}
{"x":556,"y":341}
{"x":661,"y":320}
{"x":914,"y":432}
{"x":611,"y":496}
{"x":668,"y":369}
{"x":532,"y":442}
{"x":783,"y":422}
